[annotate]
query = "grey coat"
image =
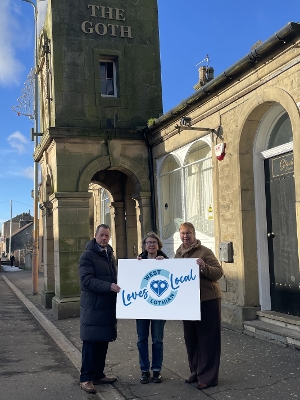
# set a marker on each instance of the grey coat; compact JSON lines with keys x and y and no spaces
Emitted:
{"x":97,"y":302}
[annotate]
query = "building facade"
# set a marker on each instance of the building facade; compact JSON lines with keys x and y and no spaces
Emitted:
{"x":249,"y":195}
{"x":12,"y":227}
{"x":100,"y":83}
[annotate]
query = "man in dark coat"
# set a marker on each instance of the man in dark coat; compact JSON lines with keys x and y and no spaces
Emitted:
{"x":98,"y":324}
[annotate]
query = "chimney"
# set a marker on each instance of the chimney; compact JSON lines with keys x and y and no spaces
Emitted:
{"x":209,"y":74}
{"x":202,"y":74}
{"x":206,"y":74}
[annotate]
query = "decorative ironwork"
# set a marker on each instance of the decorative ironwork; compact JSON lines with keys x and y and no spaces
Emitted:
{"x":26,"y":102}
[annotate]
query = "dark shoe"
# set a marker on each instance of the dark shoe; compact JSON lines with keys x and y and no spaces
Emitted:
{"x":88,"y":387}
{"x":191,"y":379}
{"x":202,"y":386}
{"x":145,"y":377}
{"x":157,"y":377}
{"x":105,"y":379}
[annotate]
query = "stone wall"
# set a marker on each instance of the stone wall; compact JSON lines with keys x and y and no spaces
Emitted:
{"x":80,"y":33}
{"x":238,"y":110}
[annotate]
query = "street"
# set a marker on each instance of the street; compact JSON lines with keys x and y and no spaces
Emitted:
{"x":33,"y":366}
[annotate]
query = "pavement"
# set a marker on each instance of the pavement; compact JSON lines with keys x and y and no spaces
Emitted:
{"x":40,"y":358}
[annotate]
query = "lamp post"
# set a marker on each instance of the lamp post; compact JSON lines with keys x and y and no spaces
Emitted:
{"x":35,"y":164}
{"x":10,"y":225}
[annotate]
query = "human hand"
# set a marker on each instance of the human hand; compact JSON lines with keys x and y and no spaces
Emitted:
{"x":160,"y":258}
{"x":139,"y":258}
{"x":115,"y":288}
{"x":201,"y":264}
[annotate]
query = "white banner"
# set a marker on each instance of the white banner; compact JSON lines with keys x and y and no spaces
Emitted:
{"x":159,"y":289}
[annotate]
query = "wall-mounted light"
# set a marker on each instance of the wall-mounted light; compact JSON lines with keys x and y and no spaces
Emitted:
{"x":186,"y":121}
{"x":186,"y":124}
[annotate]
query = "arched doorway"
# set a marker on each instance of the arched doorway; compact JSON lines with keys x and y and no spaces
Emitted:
{"x":113,"y":203}
{"x":279,"y":276}
{"x":127,"y":196}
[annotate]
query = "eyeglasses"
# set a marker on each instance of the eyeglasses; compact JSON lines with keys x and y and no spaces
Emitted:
{"x":151,"y":242}
{"x":186,"y":233}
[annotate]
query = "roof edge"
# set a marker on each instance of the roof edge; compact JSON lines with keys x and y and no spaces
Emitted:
{"x":284,"y":35}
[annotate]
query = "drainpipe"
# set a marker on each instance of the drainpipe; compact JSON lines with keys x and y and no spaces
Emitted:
{"x":151,"y":179}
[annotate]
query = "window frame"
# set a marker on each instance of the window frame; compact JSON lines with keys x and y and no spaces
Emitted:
{"x":183,"y":166}
{"x":107,"y":60}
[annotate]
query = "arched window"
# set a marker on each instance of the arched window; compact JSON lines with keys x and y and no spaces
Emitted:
{"x":198,"y":188}
{"x":282,"y":132}
{"x":171,"y":201}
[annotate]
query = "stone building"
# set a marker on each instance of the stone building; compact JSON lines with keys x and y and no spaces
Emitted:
{"x":13,"y":226}
{"x":100,"y":83}
{"x":245,"y":191}
{"x":99,"y":71}
{"x":21,"y":245}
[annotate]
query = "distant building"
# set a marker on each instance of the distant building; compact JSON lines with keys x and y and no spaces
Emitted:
{"x":21,"y":229}
{"x":21,"y":246}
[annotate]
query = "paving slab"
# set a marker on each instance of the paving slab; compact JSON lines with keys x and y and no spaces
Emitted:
{"x":250,"y":368}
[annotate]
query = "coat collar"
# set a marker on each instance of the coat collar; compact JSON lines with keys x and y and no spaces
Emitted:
{"x":182,"y":250}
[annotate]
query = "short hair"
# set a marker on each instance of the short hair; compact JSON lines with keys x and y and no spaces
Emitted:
{"x":154,"y":236}
{"x":101,"y":226}
{"x":189,"y":226}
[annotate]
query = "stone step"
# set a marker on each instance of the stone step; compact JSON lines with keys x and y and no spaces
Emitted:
{"x":269,"y":331}
{"x":279,"y":319}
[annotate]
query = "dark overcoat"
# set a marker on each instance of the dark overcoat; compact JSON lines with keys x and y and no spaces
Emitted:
{"x":97,"y":270}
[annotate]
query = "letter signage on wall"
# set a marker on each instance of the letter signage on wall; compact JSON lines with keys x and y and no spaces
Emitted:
{"x":283,"y":165}
{"x":106,"y":21}
{"x":159,"y":289}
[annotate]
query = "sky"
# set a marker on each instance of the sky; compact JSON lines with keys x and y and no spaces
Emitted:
{"x":189,"y":31}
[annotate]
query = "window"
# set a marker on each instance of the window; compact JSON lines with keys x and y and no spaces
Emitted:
{"x":187,"y":192}
{"x":171,"y":201}
{"x":104,"y":207}
{"x":108,"y":85}
{"x":282,"y":132}
{"x":198,"y":188}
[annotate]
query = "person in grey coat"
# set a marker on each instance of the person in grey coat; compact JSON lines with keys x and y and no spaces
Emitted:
{"x":98,"y":324}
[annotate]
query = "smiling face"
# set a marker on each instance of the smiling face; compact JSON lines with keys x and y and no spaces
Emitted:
{"x":151,"y":245}
{"x":102,"y":237}
{"x":187,"y":235}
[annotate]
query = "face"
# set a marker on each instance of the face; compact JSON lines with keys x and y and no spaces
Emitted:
{"x":187,"y":236}
{"x":151,"y":245}
{"x":102,"y":237}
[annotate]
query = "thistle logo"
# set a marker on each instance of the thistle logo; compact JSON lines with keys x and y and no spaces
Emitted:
{"x":158,"y":285}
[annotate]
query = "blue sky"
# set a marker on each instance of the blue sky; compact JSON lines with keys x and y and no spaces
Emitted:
{"x":189,"y":30}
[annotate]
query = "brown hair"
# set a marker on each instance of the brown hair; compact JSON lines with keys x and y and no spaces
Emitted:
{"x":154,"y":236}
{"x":189,"y":226}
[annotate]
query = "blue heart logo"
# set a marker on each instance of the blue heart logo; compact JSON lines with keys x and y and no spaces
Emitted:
{"x":159,"y":287}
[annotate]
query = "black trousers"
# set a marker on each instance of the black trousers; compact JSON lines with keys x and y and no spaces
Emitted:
{"x":93,"y":360}
{"x":203,"y":343}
